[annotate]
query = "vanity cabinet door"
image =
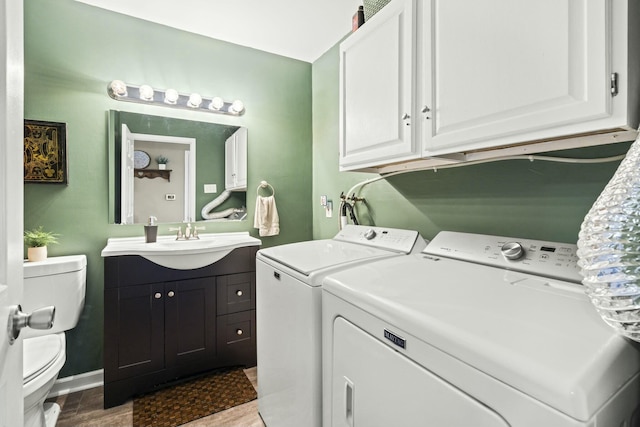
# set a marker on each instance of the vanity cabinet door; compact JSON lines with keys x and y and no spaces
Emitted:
{"x":190,"y":318}
{"x":376,"y":73}
{"x":237,"y":338}
{"x":134,"y":331}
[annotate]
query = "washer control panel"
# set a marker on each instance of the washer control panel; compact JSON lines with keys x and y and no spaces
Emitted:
{"x":392,"y":239}
{"x":556,"y":260}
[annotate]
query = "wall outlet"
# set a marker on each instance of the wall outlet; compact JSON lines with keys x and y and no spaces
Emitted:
{"x":210,"y":188}
{"x":328,"y":209}
{"x":171,"y":197}
{"x":323,"y":200}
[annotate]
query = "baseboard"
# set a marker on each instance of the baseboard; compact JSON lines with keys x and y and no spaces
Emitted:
{"x":78,"y":382}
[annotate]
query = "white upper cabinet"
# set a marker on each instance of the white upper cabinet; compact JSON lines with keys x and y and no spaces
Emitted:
{"x":502,"y":71}
{"x":235,"y":164}
{"x":534,"y":75}
{"x":376,"y":72}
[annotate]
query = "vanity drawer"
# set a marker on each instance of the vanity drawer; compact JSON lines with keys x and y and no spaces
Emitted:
{"x":237,"y":338}
{"x":236,"y":293}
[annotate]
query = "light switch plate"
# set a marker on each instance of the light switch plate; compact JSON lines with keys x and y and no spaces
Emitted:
{"x":210,"y":188}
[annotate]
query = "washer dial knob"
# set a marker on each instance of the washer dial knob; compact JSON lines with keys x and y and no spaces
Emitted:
{"x":512,"y":250}
{"x":370,"y":234}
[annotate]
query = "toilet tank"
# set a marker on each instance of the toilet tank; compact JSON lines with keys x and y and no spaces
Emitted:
{"x":58,"y":281}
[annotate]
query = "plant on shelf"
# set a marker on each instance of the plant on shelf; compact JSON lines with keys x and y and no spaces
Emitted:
{"x":37,"y":241}
{"x":162,"y":162}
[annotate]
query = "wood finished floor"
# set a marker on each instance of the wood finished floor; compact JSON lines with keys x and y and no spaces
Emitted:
{"x":85,"y":409}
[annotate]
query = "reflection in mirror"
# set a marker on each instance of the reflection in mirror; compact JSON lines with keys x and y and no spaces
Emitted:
{"x":205,"y":177}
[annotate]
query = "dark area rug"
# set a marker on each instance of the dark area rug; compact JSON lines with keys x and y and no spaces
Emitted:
{"x":191,"y":400}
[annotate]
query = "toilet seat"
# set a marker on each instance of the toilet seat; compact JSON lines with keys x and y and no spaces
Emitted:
{"x":39,"y":354}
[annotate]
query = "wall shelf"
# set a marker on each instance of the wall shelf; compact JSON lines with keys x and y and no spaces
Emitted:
{"x":153,"y":173}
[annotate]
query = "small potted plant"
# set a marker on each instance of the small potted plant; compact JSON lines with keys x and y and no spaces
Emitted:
{"x":162,"y":162}
{"x":37,"y":241}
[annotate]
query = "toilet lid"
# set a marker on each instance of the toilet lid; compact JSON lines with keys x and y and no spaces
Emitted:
{"x":39,"y":354}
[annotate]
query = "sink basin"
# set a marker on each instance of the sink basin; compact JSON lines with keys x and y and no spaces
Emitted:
{"x":181,"y":254}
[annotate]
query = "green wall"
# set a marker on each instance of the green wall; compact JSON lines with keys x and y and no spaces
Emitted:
{"x":72,"y":51}
{"x":538,"y":200}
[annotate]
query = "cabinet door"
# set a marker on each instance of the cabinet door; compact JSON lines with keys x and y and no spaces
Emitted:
{"x":190,"y":324}
{"x":241,"y":158}
{"x":498,"y":72}
{"x":376,"y":69}
{"x":235,"y":162}
{"x":229,"y":163}
{"x":134,"y":331}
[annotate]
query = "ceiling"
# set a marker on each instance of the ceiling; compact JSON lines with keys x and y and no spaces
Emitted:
{"x":300,"y":29}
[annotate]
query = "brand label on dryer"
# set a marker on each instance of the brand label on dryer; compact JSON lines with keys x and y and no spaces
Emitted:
{"x":400,"y":342}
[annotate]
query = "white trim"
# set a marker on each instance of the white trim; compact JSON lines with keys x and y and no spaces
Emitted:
{"x":78,"y":382}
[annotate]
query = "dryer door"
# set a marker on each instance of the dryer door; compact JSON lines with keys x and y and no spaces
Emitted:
{"x":373,"y":385}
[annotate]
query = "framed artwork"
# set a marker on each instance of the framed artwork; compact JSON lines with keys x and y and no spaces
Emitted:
{"x":45,"y":152}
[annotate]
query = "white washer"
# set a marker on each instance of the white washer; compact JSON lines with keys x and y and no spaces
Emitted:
{"x":288,"y":312}
{"x":477,"y":331}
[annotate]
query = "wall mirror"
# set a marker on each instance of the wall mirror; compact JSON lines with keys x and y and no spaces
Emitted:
{"x":206,"y":169}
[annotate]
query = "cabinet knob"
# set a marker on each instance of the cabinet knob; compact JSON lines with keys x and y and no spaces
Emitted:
{"x":406,"y":116}
{"x":239,"y":332}
{"x":426,"y":109}
{"x":171,"y":294}
{"x":157,"y":295}
{"x":239,"y":292}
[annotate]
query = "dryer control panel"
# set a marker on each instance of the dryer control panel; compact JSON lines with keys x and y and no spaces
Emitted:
{"x":392,"y":239}
{"x":548,"y":259}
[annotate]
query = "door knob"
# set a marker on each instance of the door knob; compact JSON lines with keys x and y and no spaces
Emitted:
{"x":41,"y":318}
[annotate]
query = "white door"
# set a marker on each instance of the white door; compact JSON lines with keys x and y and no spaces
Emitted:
{"x":505,"y":71}
{"x":376,"y":69}
{"x":126,"y":176}
{"x":11,"y":204}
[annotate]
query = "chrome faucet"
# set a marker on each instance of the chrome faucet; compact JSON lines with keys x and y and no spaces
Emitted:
{"x":189,"y":232}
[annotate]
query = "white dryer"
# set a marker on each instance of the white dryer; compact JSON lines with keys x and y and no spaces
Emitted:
{"x":478,"y":331}
{"x":288,"y":313}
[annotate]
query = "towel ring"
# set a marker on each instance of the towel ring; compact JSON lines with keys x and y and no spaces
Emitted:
{"x":265,"y":184}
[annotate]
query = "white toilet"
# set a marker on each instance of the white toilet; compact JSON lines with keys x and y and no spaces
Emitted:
{"x":61,"y":282}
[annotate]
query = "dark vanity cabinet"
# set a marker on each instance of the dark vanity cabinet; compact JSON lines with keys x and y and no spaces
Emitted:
{"x":162,"y":324}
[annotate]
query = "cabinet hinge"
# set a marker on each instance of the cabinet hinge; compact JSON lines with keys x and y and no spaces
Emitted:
{"x":614,"y":84}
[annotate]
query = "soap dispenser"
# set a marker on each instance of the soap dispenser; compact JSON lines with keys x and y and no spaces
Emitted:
{"x":151,"y":230}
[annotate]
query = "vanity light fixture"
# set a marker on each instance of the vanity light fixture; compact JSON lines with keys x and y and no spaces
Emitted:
{"x":171,"y":96}
{"x":145,"y":94}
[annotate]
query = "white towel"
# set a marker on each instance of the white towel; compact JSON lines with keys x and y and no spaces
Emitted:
{"x":266,"y":219}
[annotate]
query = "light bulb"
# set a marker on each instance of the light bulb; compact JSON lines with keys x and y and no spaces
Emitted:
{"x":237,"y":106}
{"x":146,"y":93}
{"x":171,"y":96}
{"x":194,"y":100}
{"x":118,"y":88}
{"x":216,"y":103}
